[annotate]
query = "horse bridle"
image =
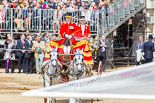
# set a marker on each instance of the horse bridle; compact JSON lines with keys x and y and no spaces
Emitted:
{"x":56,"y":73}
{"x":76,"y":55}
{"x":80,"y":73}
{"x":54,"y":51}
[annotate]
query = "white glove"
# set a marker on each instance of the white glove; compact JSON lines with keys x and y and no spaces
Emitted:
{"x":67,"y":36}
{"x":70,"y":36}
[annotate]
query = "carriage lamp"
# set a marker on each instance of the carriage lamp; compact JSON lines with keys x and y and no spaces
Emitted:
{"x":95,"y":46}
{"x":91,"y":42}
{"x":95,"y":43}
{"x":54,"y":37}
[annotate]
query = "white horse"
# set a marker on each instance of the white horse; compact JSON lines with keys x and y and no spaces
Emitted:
{"x":79,"y":69}
{"x":50,"y":72}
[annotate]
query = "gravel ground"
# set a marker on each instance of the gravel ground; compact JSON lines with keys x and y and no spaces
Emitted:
{"x":12,"y":85}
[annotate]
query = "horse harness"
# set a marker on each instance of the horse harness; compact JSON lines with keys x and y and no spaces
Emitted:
{"x":79,"y":74}
{"x":43,"y":70}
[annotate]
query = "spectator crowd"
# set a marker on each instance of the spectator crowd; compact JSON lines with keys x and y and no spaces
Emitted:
{"x":29,"y":51}
{"x":27,"y":14}
{"x":48,"y":15}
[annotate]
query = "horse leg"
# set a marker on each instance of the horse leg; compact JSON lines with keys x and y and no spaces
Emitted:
{"x":47,"y":84}
{"x":79,"y":101}
{"x":72,"y":100}
{"x":45,"y":99}
{"x":53,"y":100}
{"x":90,"y":67}
{"x":92,"y":100}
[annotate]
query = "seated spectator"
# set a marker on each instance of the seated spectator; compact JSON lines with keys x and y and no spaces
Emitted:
{"x":82,"y":6}
{"x":25,"y":10}
{"x":68,"y":3}
{"x":57,"y":18}
{"x":14,"y":3}
{"x":9,"y":55}
{"x":64,"y":6}
{"x":36,"y":15}
{"x":71,"y":8}
{"x":28,"y":20}
{"x":2,"y":17}
{"x":92,"y":6}
{"x":45,"y":4}
{"x":30,"y":3}
{"x":40,"y":2}
{"x":87,"y":13}
{"x":5,"y":5}
{"x":78,"y":4}
{"x":21,"y":2}
{"x":77,"y":14}
{"x":58,"y":3}
{"x":18,"y":18}
{"x":39,"y":48}
{"x":87,"y":3}
{"x":1,"y":6}
{"x":46,"y":16}
{"x":53,"y":4}
{"x":35,"y":4}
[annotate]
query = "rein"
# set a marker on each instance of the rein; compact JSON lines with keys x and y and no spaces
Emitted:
{"x":66,"y":64}
{"x":50,"y":75}
{"x":53,"y":51}
{"x":54,"y":74}
{"x":78,"y":75}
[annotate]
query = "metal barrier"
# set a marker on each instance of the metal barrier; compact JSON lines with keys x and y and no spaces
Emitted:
{"x":41,"y":20}
{"x":117,"y":11}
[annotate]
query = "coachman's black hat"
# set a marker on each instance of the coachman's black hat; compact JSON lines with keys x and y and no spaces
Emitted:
{"x":82,"y":18}
{"x":69,"y":14}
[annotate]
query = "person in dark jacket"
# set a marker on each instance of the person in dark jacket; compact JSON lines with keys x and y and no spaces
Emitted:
{"x":148,"y":50}
{"x":21,"y":53}
{"x":29,"y":55}
{"x":6,"y":41}
{"x":53,"y":4}
{"x":102,"y":52}
{"x":139,"y":45}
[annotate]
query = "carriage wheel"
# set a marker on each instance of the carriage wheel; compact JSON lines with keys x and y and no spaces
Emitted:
{"x":100,"y":68}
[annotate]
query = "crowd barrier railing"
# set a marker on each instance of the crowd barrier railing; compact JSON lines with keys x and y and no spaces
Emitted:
{"x":41,"y":20}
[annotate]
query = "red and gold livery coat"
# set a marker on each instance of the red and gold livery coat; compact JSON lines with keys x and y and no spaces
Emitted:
{"x":67,"y":28}
{"x":78,"y":32}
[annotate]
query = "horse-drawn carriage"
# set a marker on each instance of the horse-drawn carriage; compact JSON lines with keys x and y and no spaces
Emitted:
{"x":69,"y":58}
{"x":61,"y":68}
